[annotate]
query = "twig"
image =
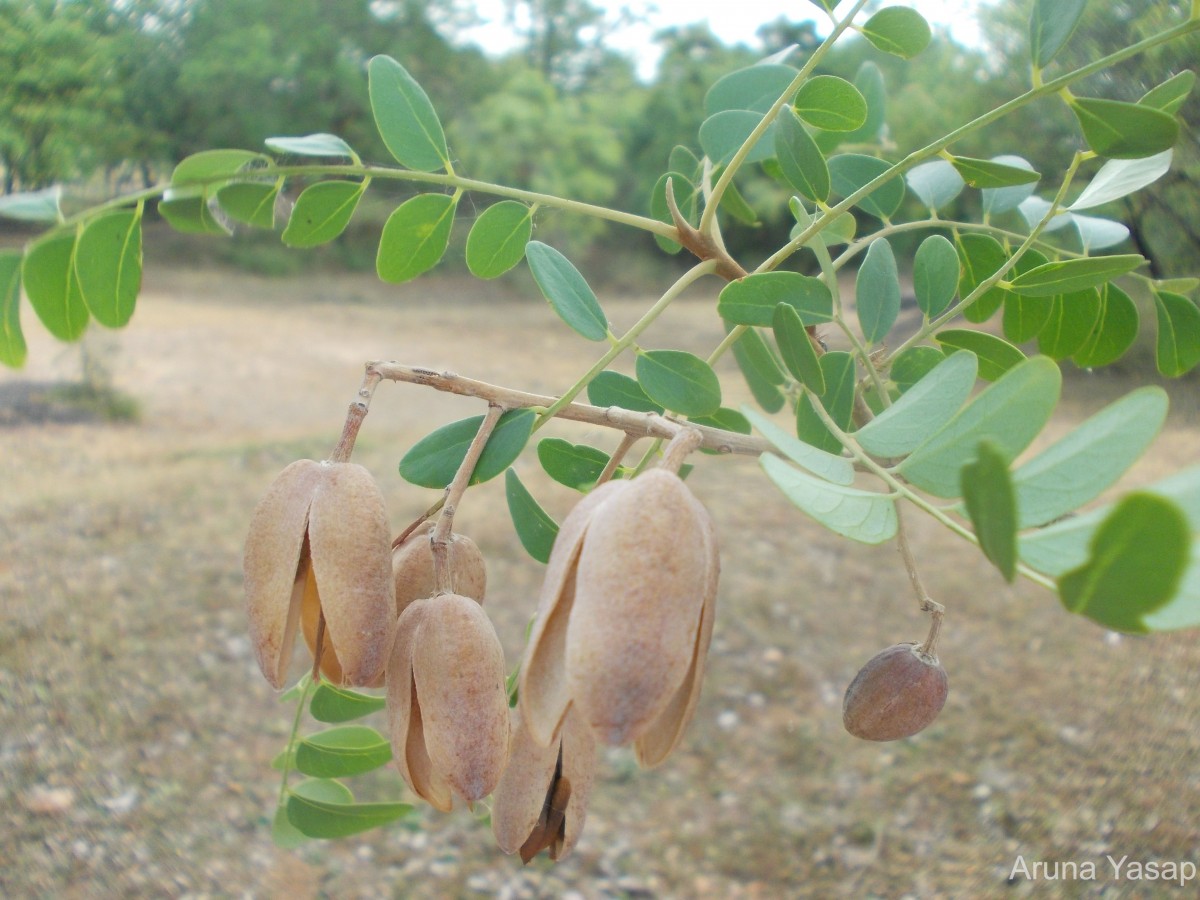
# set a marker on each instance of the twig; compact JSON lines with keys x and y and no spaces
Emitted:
{"x":354,"y":417}
{"x":640,"y":424}
{"x":440,"y":539}
{"x":927,"y":604}
{"x":627,"y":441}
{"x":678,"y":449}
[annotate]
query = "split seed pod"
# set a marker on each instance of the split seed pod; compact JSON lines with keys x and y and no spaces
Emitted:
{"x":542,"y":799}
{"x":447,"y":706}
{"x":899,"y":692}
{"x":319,"y":539}
{"x":625,"y":616}
{"x":412,"y":568}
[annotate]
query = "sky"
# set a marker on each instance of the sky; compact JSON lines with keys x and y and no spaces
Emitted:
{"x":733,"y":22}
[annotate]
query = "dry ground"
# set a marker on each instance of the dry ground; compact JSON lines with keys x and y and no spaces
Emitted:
{"x":135,"y":730}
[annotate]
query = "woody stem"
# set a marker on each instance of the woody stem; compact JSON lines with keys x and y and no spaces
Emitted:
{"x":440,"y":539}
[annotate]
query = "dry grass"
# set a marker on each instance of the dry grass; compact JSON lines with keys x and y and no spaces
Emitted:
{"x":135,"y":731}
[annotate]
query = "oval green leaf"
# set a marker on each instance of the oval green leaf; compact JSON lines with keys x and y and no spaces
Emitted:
{"x":850,"y":172}
{"x":577,"y":466}
{"x":328,"y":145}
{"x":208,"y":166}
{"x":1114,"y":334}
{"x":405,"y":117}
{"x":48,"y":273}
{"x":831,"y":103}
{"x":189,"y":213}
{"x":1137,"y":557}
{"x":1124,"y":130}
{"x":415,"y":237}
{"x":1171,"y":94}
{"x":796,"y":348}
{"x":987,"y":493}
{"x":567,"y":290}
{"x":980,"y":256}
{"x":108,"y":264}
{"x":998,"y":200}
{"x":754,"y":88}
{"x":935,"y":274}
{"x":935,"y":183}
{"x":12,"y":339}
{"x":343,"y":751}
{"x":33,"y":206}
{"x":752,"y":300}
{"x":837,"y":400}
{"x":926,"y":406}
{"x":996,"y":355}
{"x":283,"y":832}
{"x":1010,"y":413}
{"x":680,"y":381}
{"x":800,"y":160}
{"x":1067,"y":275}
{"x":1073,"y":317}
{"x":869,"y":82}
{"x":877,"y":291}
{"x":860,"y":515}
{"x":760,"y":369}
{"x":536,"y":530}
{"x":1051,"y":26}
{"x":991,"y":175}
{"x":322,"y":212}
{"x":614,"y":389}
{"x":497,"y":240}
{"x":722,"y":135}
{"x":251,"y":203}
{"x":898,"y":30}
{"x":321,"y":819}
{"x":1177,"y":350}
{"x":1119,"y":178}
{"x":433,"y":460}
{"x":913,"y":364}
{"x":332,"y":704}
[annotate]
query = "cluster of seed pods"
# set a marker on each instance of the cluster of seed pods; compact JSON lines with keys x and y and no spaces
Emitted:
{"x":616,"y":652}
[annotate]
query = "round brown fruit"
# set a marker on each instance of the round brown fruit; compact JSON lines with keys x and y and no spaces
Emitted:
{"x":896,"y":694}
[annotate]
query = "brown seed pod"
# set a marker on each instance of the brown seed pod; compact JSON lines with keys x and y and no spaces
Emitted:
{"x":320,"y":536}
{"x":447,"y":707}
{"x":412,"y":568}
{"x":897,"y":693}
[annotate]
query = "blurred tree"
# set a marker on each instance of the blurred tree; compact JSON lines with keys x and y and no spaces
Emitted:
{"x":60,"y":103}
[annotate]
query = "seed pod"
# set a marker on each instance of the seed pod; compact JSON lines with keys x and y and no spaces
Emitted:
{"x":412,"y":568}
{"x":625,"y":616}
{"x":447,"y":706}
{"x":320,"y":529}
{"x":542,"y":799}
{"x":897,"y":693}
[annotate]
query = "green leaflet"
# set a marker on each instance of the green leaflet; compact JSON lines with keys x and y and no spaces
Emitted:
{"x":1080,"y":466}
{"x":760,"y":369}
{"x":1051,"y":26}
{"x":497,"y":240}
{"x":415,"y":236}
{"x":863,"y":516}
{"x":1137,"y":558}
{"x":849,"y":172}
{"x":722,"y":135}
{"x":796,"y":348}
{"x":320,"y":819}
{"x":877,"y":291}
{"x":988,"y":496}
{"x":433,"y":460}
{"x":837,"y":400}
{"x":800,"y":160}
{"x":52,"y":287}
{"x":210,"y":165}
{"x":1124,"y":130}
{"x":283,"y":832}
{"x":935,"y":183}
{"x":1010,"y":413}
{"x":935,"y":275}
{"x":249,"y":202}
{"x":329,"y":145}
{"x":980,"y":256}
{"x":322,"y":212}
{"x":913,"y":364}
{"x":925,"y":407}
{"x":680,"y":381}
{"x":996,"y":355}
{"x":536,"y":530}
{"x":1178,"y":345}
{"x":567,"y":290}
{"x":332,"y":704}
{"x":342,"y":751}
{"x":831,"y":103}
{"x":898,"y":30}
{"x":108,"y":265}
{"x":405,"y":117}
{"x":1114,"y":333}
{"x":614,"y":389}
{"x":1071,"y":320}
{"x":577,"y":466}
{"x":1066,"y":275}
{"x":991,"y":175}
{"x":752,"y":300}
